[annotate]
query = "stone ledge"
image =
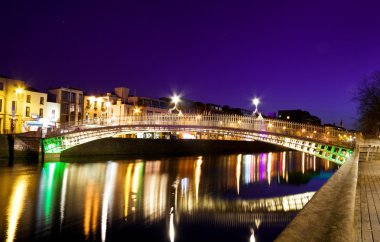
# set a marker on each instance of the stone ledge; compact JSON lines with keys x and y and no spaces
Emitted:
{"x":329,"y":215}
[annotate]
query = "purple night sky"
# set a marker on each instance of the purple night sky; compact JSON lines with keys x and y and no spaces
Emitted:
{"x":292,"y":54}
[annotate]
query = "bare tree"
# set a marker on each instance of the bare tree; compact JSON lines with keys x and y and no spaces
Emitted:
{"x":368,"y":97}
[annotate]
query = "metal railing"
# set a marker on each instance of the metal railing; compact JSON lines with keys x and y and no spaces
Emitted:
{"x":232,"y":122}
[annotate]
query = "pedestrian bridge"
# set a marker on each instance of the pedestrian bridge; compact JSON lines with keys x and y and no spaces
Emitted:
{"x":324,"y":142}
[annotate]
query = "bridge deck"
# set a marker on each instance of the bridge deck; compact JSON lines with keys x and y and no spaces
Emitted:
{"x":367,"y":207}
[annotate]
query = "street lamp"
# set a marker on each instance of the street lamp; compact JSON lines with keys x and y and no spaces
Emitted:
{"x":176,"y":99}
{"x":256,"y":102}
{"x":136,"y":110}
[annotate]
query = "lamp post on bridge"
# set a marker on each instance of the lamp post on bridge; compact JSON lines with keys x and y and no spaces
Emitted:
{"x":255,"y":113}
{"x":176,"y":99}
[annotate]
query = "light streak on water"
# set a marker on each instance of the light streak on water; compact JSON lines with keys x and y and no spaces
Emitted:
{"x":108,"y":195}
{"x":238,"y":172}
{"x":63,"y":196}
{"x":197,"y":177}
{"x":15,"y":207}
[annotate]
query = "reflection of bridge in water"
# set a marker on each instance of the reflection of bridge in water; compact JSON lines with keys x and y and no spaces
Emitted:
{"x":319,"y":141}
{"x":269,"y":211}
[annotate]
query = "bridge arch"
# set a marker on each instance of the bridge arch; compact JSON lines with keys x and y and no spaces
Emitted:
{"x":333,"y":145}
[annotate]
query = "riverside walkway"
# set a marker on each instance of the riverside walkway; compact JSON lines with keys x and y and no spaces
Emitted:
{"x":367,"y":202}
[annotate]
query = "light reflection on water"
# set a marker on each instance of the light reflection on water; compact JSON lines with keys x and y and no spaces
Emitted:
{"x":243,"y":197}
{"x":15,"y":206}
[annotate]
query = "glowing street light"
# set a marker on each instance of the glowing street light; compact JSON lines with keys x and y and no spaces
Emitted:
{"x":256,"y":102}
{"x":136,"y":110}
{"x":176,"y":99}
{"x":19,"y":90}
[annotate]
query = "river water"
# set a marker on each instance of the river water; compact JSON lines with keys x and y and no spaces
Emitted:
{"x":240,"y":197}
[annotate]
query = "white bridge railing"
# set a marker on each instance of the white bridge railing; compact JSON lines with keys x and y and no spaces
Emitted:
{"x":323,"y":134}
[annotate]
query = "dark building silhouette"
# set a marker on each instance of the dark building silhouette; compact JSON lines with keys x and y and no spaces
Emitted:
{"x":299,"y":116}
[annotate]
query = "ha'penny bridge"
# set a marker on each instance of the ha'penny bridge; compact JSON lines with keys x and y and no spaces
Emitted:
{"x":324,"y":142}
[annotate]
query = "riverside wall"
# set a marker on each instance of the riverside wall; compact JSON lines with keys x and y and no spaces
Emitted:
{"x":329,"y":215}
{"x":4,"y":152}
{"x":24,"y":146}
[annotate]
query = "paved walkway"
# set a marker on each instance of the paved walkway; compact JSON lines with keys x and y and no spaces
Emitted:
{"x":367,"y":201}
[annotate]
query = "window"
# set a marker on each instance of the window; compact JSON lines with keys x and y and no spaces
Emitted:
{"x":80,"y":99}
{"x":72,"y":97}
{"x":1,"y":86}
{"x":72,"y":107}
{"x":14,"y":107}
{"x":41,"y":112}
{"x":65,"y":96}
{"x":28,"y":98}
{"x":27,"y":112}
{"x":42,"y":100}
{"x":65,"y":108}
{"x":1,"y":105}
{"x":53,"y":114}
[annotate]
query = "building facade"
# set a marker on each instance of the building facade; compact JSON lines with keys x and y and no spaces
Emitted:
{"x":145,"y":105}
{"x":98,"y":108}
{"x":71,"y":104}
{"x":34,"y":109}
{"x":22,"y":108}
{"x":110,"y":107}
{"x":11,"y":105}
{"x":53,"y":111}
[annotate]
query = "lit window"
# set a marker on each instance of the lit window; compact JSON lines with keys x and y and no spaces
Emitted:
{"x":14,"y":107}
